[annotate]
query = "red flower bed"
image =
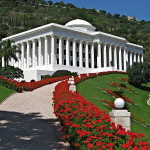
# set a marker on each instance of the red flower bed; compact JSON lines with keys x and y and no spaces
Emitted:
{"x":117,"y":96}
{"x":125,"y":79}
{"x":86,"y":127}
{"x":10,"y":83}
{"x":28,"y":86}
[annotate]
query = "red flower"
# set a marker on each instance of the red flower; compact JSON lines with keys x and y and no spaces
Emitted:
{"x":90,"y":145}
{"x":98,"y":143}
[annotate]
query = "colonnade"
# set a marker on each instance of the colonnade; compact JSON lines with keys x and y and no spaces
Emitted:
{"x":53,"y":49}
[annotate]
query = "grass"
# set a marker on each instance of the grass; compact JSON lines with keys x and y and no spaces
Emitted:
{"x":5,"y":92}
{"x":92,"y":88}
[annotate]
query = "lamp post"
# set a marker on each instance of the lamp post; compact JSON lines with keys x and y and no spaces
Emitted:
{"x":72,"y":86}
{"x":120,"y":116}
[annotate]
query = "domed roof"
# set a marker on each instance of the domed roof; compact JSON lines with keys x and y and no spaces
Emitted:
{"x":78,"y":23}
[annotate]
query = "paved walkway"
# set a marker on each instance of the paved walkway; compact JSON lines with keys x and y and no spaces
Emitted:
{"x":27,"y":122}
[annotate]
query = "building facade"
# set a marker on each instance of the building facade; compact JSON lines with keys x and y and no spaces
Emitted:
{"x":75,"y":46}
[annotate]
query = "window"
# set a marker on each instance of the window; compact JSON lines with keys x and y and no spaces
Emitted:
{"x":64,"y":42}
{"x":71,"y":63}
{"x":57,"y":61}
{"x":83,"y":64}
{"x":83,"y":54}
{"x":57,"y":50}
{"x":64,"y":51}
{"x":31,"y":45}
{"x":57,"y":41}
{"x":83,"y":46}
{"x":89,"y":55}
{"x":37,"y":44}
{"x":89,"y":65}
{"x":70,"y":43}
{"x":77,"y":45}
{"x":77,"y":54}
{"x":89,"y":47}
{"x":64,"y":61}
{"x":70,"y":53}
{"x":78,"y":63}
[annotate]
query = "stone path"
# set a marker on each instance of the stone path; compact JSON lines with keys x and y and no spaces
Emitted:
{"x":27,"y":122}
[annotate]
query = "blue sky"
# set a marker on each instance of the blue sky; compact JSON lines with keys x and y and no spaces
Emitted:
{"x":137,"y":8}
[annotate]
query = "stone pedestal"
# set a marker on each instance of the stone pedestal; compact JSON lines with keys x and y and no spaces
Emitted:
{"x":121,"y":117}
{"x":72,"y":88}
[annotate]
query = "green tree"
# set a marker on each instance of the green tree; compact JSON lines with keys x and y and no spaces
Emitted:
{"x":117,"y":15}
{"x":139,"y":73}
{"x":102,"y":12}
{"x":8,"y":51}
{"x":50,"y":2}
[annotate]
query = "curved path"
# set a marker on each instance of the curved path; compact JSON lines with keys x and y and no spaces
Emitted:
{"x":27,"y":122}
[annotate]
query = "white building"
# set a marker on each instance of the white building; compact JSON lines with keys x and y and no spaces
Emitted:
{"x":75,"y":46}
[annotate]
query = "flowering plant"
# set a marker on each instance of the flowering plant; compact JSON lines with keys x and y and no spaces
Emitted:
{"x":86,"y":127}
{"x":28,"y":86}
{"x":122,"y":86}
{"x":128,"y":100}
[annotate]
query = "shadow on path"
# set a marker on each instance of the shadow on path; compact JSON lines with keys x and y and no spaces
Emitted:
{"x":20,"y":131}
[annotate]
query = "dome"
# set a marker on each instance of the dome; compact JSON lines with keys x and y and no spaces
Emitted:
{"x":80,"y":24}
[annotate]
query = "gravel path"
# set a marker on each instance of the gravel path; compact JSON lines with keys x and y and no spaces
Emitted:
{"x":27,"y":122}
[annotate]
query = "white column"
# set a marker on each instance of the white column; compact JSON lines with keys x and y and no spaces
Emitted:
{"x":33,"y":53}
{"x":125,"y":59}
{"x":105,"y":55}
{"x":17,"y":62}
{"x":142,"y":58}
{"x":52,"y":49}
{"x":115,"y":57}
{"x":17,"y":55}
{"x":99,"y":55}
{"x":3,"y":62}
{"x":28,"y":54}
{"x":138,"y":58}
{"x":60,"y":50}
{"x":74,"y":53}
{"x":22,"y":54}
{"x":39,"y":51}
{"x":110,"y":55}
{"x":130,"y":58}
{"x":67,"y":52}
{"x":87,"y":55}
{"x":46,"y":50}
{"x":134,"y":60}
{"x":80,"y":55}
{"x":120,"y":59}
{"x":92,"y":55}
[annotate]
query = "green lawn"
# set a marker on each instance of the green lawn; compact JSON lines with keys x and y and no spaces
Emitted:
{"x":5,"y":92}
{"x":91,"y":89}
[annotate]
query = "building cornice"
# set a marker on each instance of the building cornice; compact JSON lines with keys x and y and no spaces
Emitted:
{"x":135,"y":45}
{"x":52,"y":26}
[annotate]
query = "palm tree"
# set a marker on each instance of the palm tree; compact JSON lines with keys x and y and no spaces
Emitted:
{"x":8,"y":51}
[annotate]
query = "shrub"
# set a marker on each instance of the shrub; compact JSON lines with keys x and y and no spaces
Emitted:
{"x":73,"y":74}
{"x":32,"y":80}
{"x":139,"y":73}
{"x":60,"y":73}
{"x":47,"y":76}
{"x":11,"y":72}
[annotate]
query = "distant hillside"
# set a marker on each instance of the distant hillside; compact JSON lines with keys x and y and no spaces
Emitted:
{"x":21,"y":15}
